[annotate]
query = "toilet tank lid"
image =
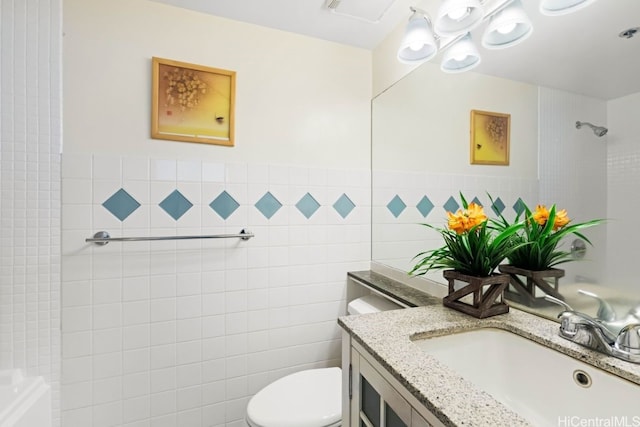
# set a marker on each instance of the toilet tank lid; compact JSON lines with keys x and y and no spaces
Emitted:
{"x":310,"y":398}
{"x":370,"y":304}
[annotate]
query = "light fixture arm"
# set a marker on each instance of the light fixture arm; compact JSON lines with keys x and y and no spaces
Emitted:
{"x":422,"y":13}
{"x":495,"y":7}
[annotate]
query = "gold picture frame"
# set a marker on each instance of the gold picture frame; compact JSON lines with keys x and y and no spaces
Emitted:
{"x":490,"y":138}
{"x":192,"y":103}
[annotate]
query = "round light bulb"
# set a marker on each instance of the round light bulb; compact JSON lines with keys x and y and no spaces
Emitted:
{"x":416,"y":46}
{"x":460,"y":57}
{"x":506,"y":29}
{"x":459,"y":13}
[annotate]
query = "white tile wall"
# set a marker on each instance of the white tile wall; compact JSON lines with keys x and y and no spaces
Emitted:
{"x":30,"y":132}
{"x":183,"y":333}
{"x":573,"y":170}
{"x":623,"y":171}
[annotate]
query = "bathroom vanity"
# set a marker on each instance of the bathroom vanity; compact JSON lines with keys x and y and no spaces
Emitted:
{"x":391,"y":379}
{"x":377,"y":398}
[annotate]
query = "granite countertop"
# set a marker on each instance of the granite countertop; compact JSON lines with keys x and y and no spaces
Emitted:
{"x":388,"y":335}
{"x":400,"y":292}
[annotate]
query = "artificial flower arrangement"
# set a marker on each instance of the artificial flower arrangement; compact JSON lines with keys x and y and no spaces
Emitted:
{"x":532,"y":266}
{"x":536,"y":246}
{"x":473,"y":244}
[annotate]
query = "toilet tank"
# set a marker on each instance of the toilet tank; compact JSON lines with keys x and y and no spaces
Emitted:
{"x":24,"y":401}
{"x":370,"y":304}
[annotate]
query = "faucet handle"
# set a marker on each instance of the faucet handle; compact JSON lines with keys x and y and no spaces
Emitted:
{"x":605,"y":311}
{"x":558,"y":301}
{"x":572,"y":321}
{"x":629,"y":339}
{"x":635,"y":311}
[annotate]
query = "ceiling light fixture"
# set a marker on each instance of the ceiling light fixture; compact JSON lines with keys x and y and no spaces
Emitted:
{"x":418,"y":43}
{"x":508,"y":27}
{"x":562,"y":7}
{"x":457,"y":17}
{"x":461,"y":56}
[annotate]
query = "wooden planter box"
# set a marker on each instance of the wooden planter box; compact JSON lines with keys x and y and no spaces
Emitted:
{"x":476,"y":296}
{"x":524,"y":285}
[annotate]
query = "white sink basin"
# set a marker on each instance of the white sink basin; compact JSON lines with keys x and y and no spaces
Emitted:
{"x":535,"y":381}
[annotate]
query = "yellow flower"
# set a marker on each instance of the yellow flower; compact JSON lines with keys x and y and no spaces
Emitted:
{"x":464,"y":221}
{"x":457,"y":222}
{"x":476,"y":214}
{"x":541,"y":216}
{"x":561,"y":219}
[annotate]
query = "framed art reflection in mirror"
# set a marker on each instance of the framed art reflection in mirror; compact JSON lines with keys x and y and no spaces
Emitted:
{"x":490,"y":138}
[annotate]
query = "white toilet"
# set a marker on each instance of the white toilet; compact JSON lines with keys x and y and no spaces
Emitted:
{"x":310,"y":398}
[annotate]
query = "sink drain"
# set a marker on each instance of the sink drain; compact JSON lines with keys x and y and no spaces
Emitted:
{"x":582,"y":378}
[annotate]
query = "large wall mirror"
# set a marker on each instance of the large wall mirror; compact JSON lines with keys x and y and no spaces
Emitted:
{"x":421,"y":162}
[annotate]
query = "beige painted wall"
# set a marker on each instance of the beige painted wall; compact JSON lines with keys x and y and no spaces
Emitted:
{"x":387,"y":70}
{"x":422,"y":123}
{"x":299,"y":100}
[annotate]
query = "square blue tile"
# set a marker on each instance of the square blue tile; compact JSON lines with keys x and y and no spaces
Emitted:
{"x":518,"y":206}
{"x":176,"y":205}
{"x":425,"y":206}
{"x":224,"y":205}
{"x":121,"y":204}
{"x":476,"y":201}
{"x":396,"y":206}
{"x":344,"y":206}
{"x":498,"y":206}
{"x":307,"y":205}
{"x":451,"y":205}
{"x":268,"y":205}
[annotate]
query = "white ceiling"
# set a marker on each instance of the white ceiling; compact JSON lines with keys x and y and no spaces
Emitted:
{"x":580,"y":52}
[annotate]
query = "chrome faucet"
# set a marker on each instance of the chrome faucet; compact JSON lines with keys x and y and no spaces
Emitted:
{"x":605,"y":311}
{"x":608,"y":316}
{"x":595,"y":334}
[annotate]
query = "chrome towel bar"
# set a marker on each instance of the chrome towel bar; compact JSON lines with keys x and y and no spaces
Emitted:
{"x":101,"y":238}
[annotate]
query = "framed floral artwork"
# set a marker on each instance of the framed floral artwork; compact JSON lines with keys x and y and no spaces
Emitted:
{"x":490,"y":138}
{"x":192,"y":103}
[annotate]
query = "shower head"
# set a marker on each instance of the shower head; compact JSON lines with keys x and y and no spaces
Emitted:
{"x":598,"y":130}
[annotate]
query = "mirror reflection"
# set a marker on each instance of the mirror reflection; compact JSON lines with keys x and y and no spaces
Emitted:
{"x":577,"y":151}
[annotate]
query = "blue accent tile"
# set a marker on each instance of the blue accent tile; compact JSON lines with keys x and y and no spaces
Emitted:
{"x":343,"y":206}
{"x":451,"y":205}
{"x":121,"y":204}
{"x":307,"y":205}
{"x":396,"y":206}
{"x":175,"y":204}
{"x":476,"y":201}
{"x":518,"y":206}
{"x":268,"y":205}
{"x":425,"y":206}
{"x":224,"y":205}
{"x":497,"y":206}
